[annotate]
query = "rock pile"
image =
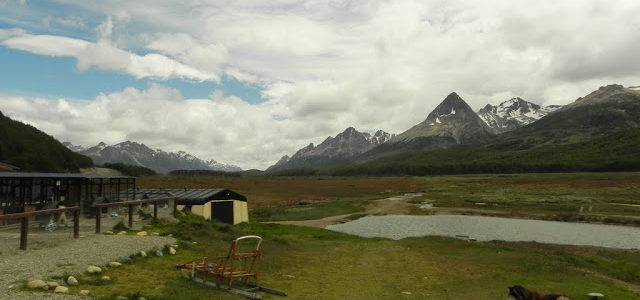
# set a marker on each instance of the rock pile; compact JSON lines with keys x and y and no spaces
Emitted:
{"x":63,"y":288}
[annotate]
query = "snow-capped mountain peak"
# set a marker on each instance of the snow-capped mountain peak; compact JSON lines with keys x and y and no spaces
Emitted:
{"x":513,"y":113}
{"x":379,"y":137}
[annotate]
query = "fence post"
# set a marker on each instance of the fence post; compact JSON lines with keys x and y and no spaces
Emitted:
{"x":130,"y":216}
{"x":76,"y":223}
{"x":155,"y":210}
{"x":175,"y":206}
{"x":24,"y":228}
{"x":98,"y":217}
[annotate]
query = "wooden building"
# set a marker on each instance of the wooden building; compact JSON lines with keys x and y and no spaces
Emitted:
{"x":221,"y":204}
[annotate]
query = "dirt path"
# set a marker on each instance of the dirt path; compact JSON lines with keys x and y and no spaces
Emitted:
{"x":394,"y":205}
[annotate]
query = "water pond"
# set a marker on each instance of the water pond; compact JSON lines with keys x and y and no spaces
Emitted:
{"x":492,"y":228}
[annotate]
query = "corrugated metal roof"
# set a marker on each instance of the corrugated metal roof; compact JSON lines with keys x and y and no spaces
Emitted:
{"x":57,"y":175}
{"x":188,"y":196}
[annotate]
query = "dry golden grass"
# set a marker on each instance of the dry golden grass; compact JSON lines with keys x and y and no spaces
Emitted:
{"x":283,"y":191}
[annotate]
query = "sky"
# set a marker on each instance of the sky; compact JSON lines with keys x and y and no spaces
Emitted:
{"x":245,"y":82}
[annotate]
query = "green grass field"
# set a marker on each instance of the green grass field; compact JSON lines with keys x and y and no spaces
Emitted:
{"x":312,"y":263}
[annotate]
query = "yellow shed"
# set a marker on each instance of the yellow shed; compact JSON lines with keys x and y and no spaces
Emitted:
{"x":221,"y":204}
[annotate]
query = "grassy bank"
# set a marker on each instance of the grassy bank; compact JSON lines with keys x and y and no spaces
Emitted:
{"x":311,"y":263}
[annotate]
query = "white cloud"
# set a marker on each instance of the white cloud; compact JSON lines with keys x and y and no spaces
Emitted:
{"x":207,"y":57}
{"x":47,"y":44}
{"x":105,"y":30}
{"x":103,"y":55}
{"x":222,"y":128}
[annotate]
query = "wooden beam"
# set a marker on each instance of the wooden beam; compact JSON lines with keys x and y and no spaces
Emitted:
{"x":37,"y":213}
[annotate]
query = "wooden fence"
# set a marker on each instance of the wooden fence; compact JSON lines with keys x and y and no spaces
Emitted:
{"x":130,"y":205}
{"x":24,"y":226}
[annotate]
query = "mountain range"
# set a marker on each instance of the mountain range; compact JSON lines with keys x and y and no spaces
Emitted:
{"x":333,"y":150}
{"x":598,"y":132}
{"x":452,"y":123}
{"x":137,"y":154}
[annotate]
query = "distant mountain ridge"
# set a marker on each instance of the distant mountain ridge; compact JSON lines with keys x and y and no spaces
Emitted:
{"x":452,"y":123}
{"x":513,"y":113}
{"x":333,"y":150}
{"x":133,"y":153}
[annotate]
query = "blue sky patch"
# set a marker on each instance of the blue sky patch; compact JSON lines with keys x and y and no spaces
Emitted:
{"x":27,"y":74}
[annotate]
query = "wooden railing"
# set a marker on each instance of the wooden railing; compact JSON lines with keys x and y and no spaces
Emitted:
{"x":130,"y":204}
{"x":24,"y":227}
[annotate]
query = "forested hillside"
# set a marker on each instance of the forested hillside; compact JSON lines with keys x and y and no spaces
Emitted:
{"x":617,"y":152}
{"x":32,"y":150}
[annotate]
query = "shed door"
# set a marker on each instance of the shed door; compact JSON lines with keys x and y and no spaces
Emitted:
{"x":222,"y":211}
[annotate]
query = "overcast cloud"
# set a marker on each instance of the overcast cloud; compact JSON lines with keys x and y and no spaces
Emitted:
{"x":322,"y":65}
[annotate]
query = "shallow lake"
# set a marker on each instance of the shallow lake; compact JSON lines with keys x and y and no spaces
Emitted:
{"x":492,"y":228}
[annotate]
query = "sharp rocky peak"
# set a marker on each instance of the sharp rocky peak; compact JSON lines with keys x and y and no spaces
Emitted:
{"x":350,"y":132}
{"x":451,"y":109}
{"x":452,"y":122}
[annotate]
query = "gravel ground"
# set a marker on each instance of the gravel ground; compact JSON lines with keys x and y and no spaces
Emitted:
{"x":60,"y":254}
{"x":491,"y":228}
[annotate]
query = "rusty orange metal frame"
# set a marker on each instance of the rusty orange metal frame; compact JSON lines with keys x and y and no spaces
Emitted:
{"x":233,"y":266}
{"x":236,"y":265}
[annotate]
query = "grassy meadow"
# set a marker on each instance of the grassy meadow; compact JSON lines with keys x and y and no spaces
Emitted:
{"x":312,"y":263}
{"x":591,"y":197}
